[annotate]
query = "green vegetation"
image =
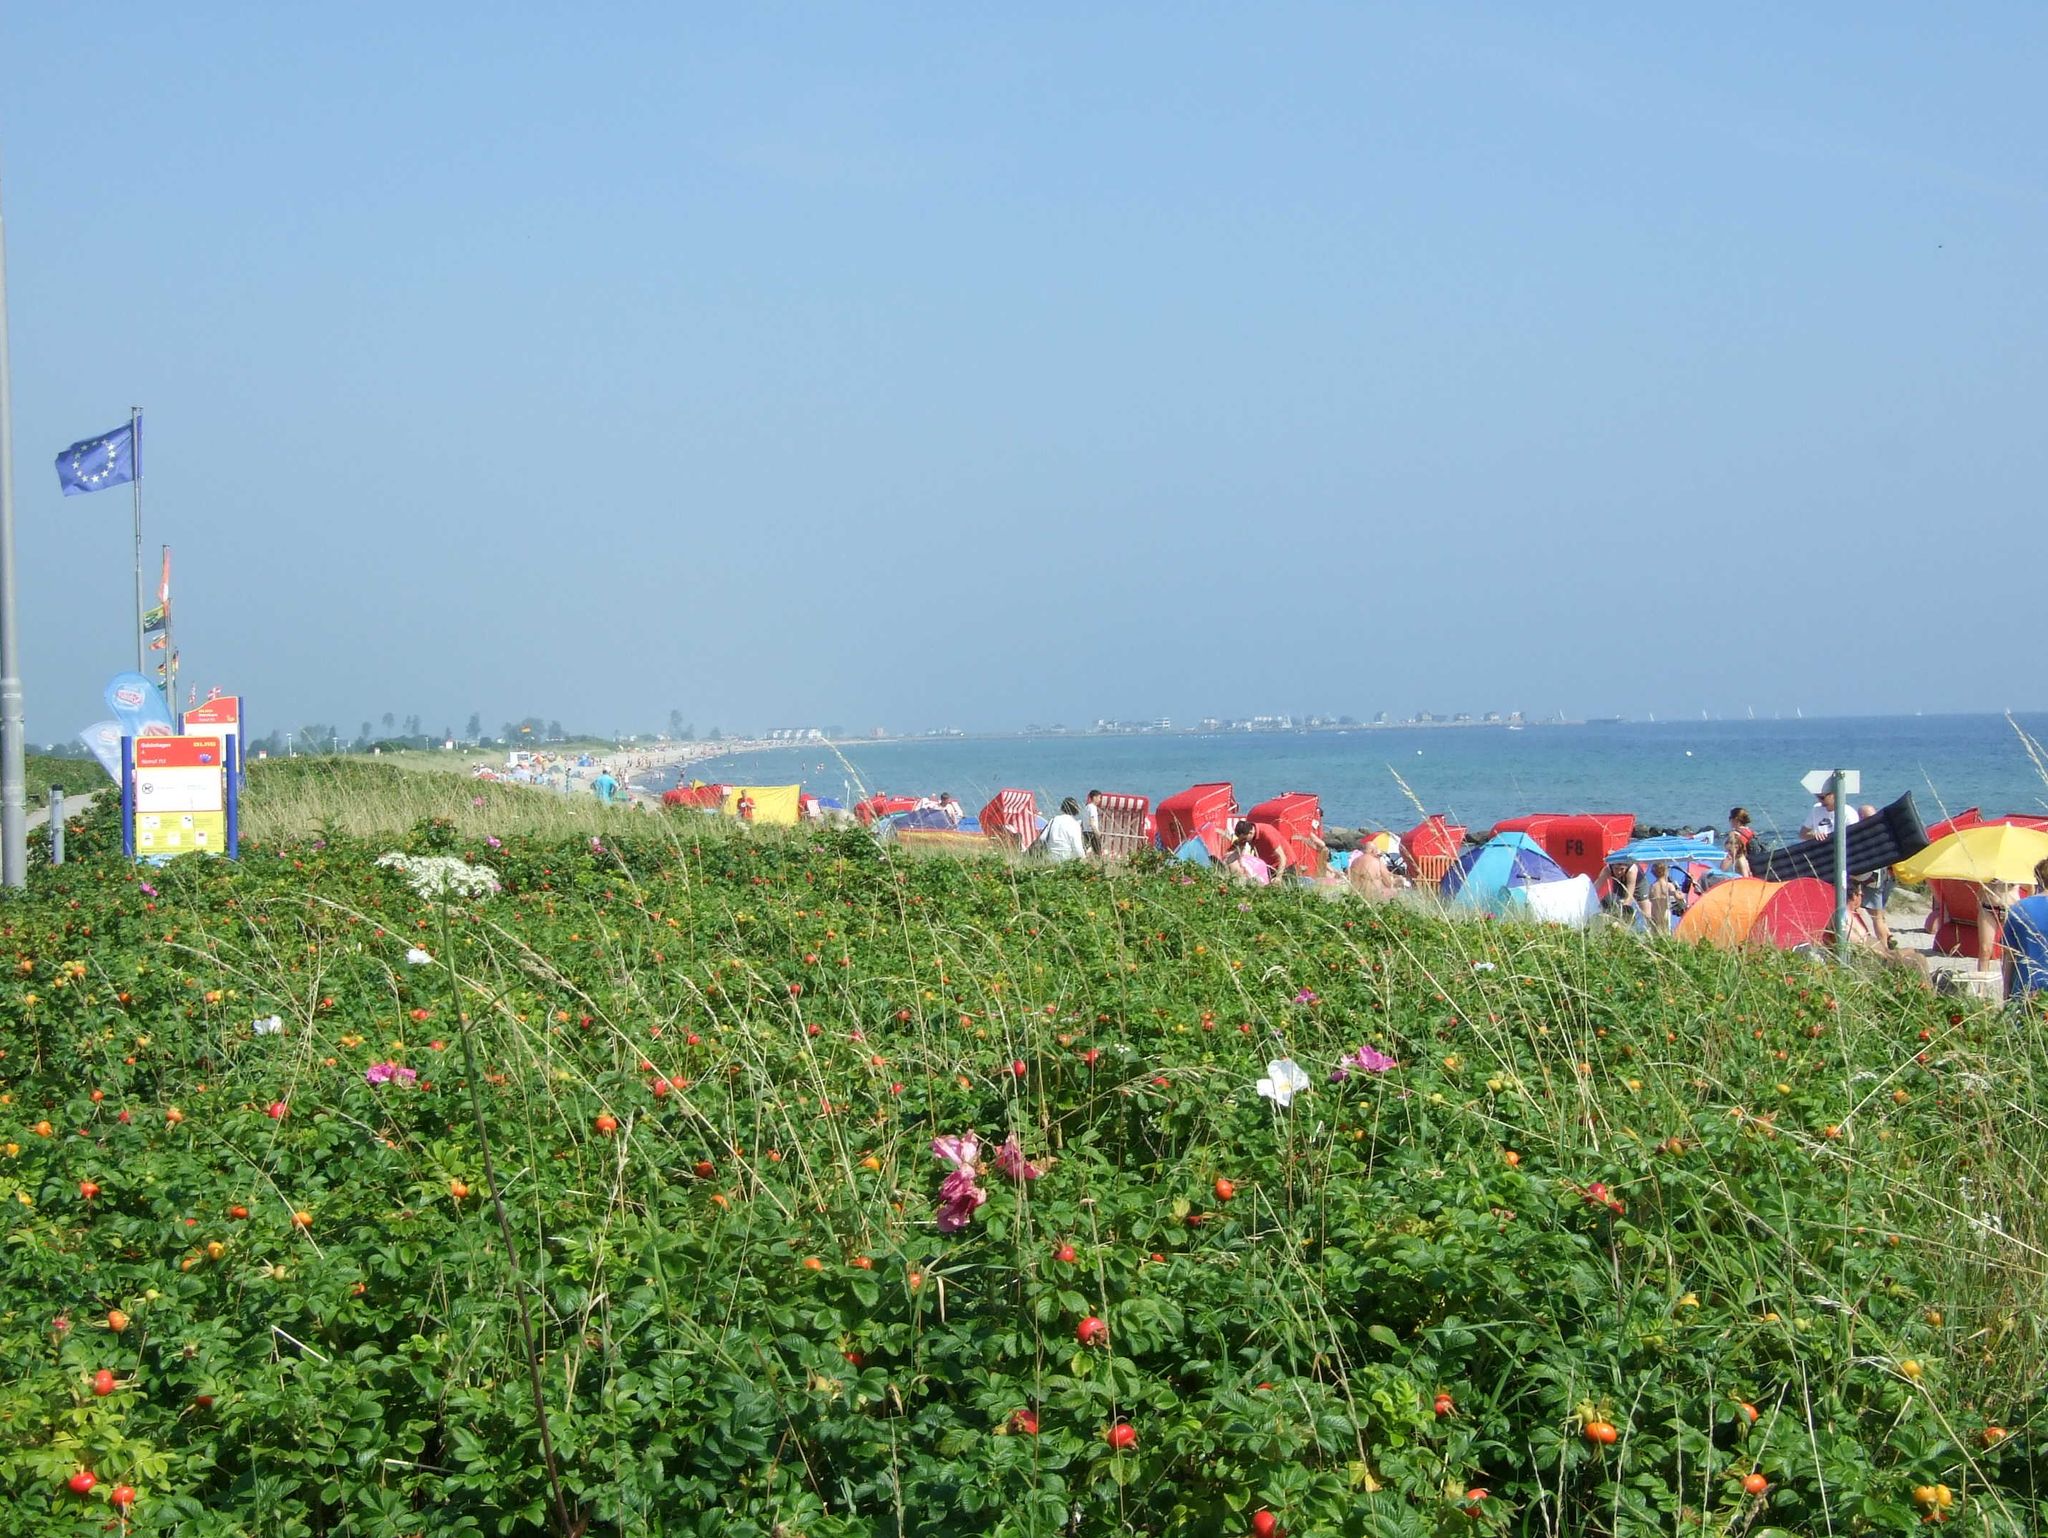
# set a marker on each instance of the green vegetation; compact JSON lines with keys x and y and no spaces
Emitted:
{"x":76,"y":775}
{"x":1627,"y":1238}
{"x":374,"y":798}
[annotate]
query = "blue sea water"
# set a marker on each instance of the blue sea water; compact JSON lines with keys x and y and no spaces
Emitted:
{"x":1670,"y":774}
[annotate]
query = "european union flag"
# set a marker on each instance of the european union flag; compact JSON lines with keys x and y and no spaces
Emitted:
{"x":97,"y":463}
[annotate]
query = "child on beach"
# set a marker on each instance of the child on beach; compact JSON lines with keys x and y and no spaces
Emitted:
{"x":1663,"y":898}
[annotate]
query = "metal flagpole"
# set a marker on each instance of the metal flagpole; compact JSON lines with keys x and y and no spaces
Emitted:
{"x":135,"y":486}
{"x":170,"y":651}
{"x":13,"y":807}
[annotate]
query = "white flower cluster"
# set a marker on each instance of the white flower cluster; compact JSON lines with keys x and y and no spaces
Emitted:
{"x":440,"y":875}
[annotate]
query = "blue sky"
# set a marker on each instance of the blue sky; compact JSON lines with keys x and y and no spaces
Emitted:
{"x":933,"y":365}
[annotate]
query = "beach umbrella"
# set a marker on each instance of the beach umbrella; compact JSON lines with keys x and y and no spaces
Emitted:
{"x":1672,"y":850}
{"x":1994,"y":851}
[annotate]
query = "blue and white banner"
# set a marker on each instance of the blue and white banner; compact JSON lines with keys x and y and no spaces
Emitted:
{"x":104,"y":739}
{"x":138,"y":706}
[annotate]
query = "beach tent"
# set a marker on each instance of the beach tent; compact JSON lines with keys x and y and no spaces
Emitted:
{"x":1571,"y":902}
{"x":878,"y":805}
{"x":1294,"y":820}
{"x":699,"y":798}
{"x":1432,"y":847}
{"x":1482,"y":877}
{"x":1201,"y":811}
{"x":1751,"y":911}
{"x":1800,"y":912}
{"x":1124,"y":823}
{"x":1579,"y":843}
{"x":1724,"y":913}
{"x":1195,"y":852}
{"x":1011,"y":818}
{"x":775,"y":806}
{"x":928,"y":828}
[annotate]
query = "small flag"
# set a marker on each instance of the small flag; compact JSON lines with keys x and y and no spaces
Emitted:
{"x":153,"y":620}
{"x":192,"y":697}
{"x":94,"y":464}
{"x":163,"y":588}
{"x":158,"y":644}
{"x":212,"y":694}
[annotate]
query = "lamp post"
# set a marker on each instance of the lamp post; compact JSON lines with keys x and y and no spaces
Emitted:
{"x":13,"y":790}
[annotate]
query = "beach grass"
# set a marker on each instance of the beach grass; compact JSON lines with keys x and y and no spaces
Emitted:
{"x":369,"y":798}
{"x":1610,"y":1228}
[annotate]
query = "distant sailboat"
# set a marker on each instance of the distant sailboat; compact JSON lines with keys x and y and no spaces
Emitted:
{"x":1752,"y":712}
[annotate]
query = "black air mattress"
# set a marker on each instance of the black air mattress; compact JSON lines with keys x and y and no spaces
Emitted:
{"x":1894,"y":834}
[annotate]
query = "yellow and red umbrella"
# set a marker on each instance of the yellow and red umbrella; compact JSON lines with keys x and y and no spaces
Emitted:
{"x":1989,"y":852}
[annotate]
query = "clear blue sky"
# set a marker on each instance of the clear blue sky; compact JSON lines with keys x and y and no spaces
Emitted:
{"x":940,"y":364}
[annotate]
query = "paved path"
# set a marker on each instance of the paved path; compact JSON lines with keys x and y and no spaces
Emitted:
{"x":73,"y":805}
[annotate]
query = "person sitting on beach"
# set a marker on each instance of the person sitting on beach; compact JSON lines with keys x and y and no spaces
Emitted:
{"x":1368,"y":874}
{"x":1242,"y":859}
{"x":1736,"y":844}
{"x":1621,"y":891}
{"x":1062,"y":839}
{"x":1664,"y":897}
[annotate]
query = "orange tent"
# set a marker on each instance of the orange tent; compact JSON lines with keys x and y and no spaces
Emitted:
{"x":1725,"y":913}
{"x":1751,"y":911}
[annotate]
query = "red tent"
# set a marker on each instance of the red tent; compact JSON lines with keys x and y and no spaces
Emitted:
{"x":1296,"y":820}
{"x":1011,"y":817}
{"x":1432,"y":847}
{"x":1201,"y":811}
{"x":1124,"y":822}
{"x":1800,"y":912}
{"x":879,"y":805}
{"x":698,"y":798}
{"x":1580,"y":843}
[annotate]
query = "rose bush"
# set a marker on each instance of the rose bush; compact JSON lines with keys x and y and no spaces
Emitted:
{"x":1756,"y":1217}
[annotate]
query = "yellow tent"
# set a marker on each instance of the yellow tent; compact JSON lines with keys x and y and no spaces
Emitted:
{"x":773,"y":804}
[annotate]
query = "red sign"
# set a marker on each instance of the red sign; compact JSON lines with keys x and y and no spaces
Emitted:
{"x":177,"y":752}
{"x":223,"y":710}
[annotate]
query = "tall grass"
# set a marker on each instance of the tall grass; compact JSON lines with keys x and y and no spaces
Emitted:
{"x":371,"y":799}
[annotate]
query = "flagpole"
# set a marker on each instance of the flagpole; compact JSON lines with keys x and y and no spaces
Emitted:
{"x":13,"y":803}
{"x":163,"y":599}
{"x":135,"y":486}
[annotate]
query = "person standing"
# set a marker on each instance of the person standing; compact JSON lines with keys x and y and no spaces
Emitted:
{"x":1062,"y":840}
{"x":1819,"y":826}
{"x":1736,"y":843}
{"x":1875,"y":890}
{"x":604,"y":787}
{"x":744,"y":807}
{"x":1091,"y":825}
{"x":1663,"y":898}
{"x":2025,"y":938}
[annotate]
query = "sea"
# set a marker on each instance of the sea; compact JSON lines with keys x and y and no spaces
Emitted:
{"x":1674,"y":774}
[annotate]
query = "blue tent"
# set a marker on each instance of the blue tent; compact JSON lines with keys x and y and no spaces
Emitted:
{"x":1483,"y":877}
{"x":1195,"y":852}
